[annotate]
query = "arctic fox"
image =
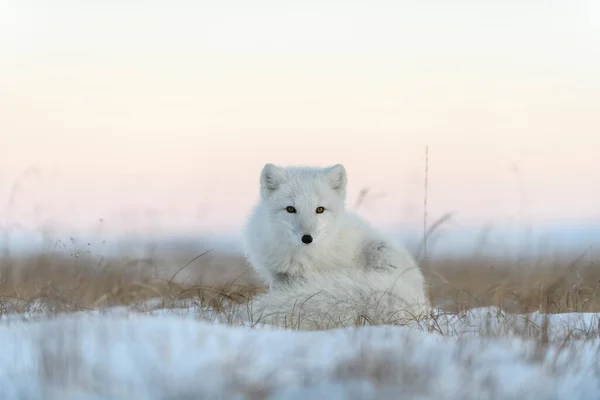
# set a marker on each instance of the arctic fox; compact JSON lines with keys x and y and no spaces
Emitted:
{"x":325,"y":266}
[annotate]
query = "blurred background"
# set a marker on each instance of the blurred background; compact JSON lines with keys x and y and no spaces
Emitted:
{"x":133,"y":125}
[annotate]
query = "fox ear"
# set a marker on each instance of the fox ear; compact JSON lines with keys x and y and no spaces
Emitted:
{"x":336,"y":176}
{"x":271,"y":178}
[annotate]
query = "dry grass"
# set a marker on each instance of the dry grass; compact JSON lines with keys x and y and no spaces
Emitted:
{"x":67,"y":283}
{"x":545,"y":285}
{"x":70,"y":282}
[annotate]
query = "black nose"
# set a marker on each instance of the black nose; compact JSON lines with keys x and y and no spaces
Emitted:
{"x":306,"y":239}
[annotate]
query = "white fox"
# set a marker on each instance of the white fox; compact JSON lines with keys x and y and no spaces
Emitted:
{"x":326,"y":267}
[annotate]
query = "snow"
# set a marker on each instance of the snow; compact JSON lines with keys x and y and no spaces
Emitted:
{"x":174,"y":354}
{"x":493,"y":321}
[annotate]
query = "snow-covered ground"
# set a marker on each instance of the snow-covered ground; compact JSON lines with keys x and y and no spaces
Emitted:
{"x":173,"y":354}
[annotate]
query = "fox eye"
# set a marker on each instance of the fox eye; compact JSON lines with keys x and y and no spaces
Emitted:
{"x":290,"y":209}
{"x":320,"y":210}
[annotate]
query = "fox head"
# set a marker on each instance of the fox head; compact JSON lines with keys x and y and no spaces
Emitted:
{"x":303,"y":203}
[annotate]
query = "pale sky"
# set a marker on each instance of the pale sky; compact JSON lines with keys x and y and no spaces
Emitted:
{"x":160,"y":115}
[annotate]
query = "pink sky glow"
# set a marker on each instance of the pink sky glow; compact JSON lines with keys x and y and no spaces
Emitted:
{"x":159,"y":116}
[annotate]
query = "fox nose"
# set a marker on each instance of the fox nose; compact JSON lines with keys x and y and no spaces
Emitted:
{"x":306,"y":239}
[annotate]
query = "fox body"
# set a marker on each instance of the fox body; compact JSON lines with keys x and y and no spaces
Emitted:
{"x":301,"y":239}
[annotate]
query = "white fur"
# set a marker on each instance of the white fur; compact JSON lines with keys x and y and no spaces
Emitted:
{"x":349,"y":271}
